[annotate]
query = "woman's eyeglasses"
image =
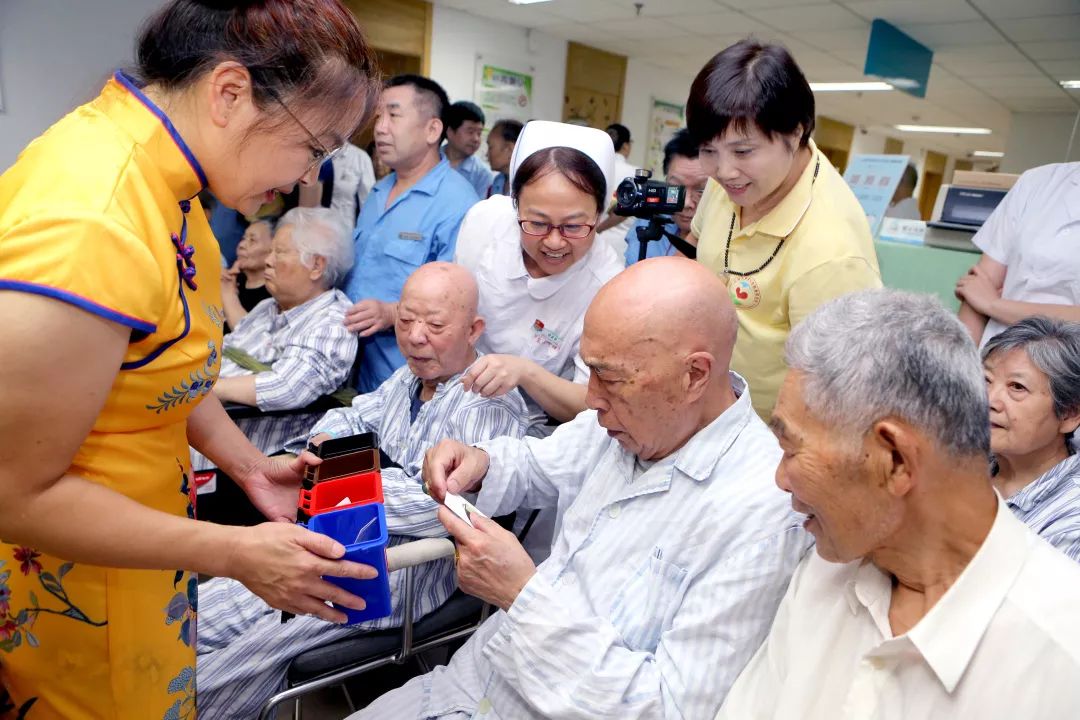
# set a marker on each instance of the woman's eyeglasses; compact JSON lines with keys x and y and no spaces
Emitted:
{"x":570,"y":231}
{"x":323,"y":154}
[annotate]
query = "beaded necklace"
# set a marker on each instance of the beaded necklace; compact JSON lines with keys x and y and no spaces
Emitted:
{"x":731,"y":231}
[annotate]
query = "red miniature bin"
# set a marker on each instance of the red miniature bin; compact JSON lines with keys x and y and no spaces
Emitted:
{"x":361,"y":489}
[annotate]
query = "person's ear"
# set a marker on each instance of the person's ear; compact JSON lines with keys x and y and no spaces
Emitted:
{"x":1070,"y":423}
{"x":895,"y":454}
{"x":476,"y":330}
{"x":698,"y":374}
{"x":228,"y":93}
{"x":434,"y":131}
{"x":318,"y":267}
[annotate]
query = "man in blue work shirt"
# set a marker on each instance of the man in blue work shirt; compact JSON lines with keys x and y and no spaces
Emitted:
{"x":411,"y":217}
{"x":464,"y":131}
{"x":681,"y":167}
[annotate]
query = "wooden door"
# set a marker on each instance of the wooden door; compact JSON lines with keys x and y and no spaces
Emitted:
{"x":595,"y":81}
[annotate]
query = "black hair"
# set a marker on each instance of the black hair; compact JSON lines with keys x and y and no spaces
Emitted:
{"x":463,"y":111}
{"x":428,"y":92}
{"x":310,"y":50}
{"x":682,"y":144}
{"x":620,"y":135}
{"x":577,"y":167}
{"x":510,"y":130}
{"x":750,"y":83}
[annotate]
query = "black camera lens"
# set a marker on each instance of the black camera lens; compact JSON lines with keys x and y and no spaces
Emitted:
{"x":627,"y":193}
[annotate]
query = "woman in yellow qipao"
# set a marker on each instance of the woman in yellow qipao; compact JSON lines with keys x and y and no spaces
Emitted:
{"x":110,"y":337}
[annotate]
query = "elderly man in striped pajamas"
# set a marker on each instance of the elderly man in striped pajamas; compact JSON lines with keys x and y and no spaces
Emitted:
{"x":673,"y":545}
{"x":244,"y":650}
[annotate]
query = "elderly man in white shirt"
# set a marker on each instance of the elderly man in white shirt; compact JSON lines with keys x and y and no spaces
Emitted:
{"x":1031,"y":255}
{"x":927,"y":597}
{"x":673,"y":547}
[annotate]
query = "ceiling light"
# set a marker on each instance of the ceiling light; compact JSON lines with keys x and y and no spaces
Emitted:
{"x":849,"y":86}
{"x":987,"y":154}
{"x":1071,"y":84}
{"x":943,"y":129}
{"x":527,"y":2}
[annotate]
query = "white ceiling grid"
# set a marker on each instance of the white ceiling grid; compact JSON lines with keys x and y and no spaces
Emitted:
{"x":991,"y":57}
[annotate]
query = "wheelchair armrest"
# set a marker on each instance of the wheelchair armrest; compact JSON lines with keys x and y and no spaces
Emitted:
{"x":236,"y":411}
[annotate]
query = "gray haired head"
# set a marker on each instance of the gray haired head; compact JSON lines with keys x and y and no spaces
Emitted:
{"x":880,"y":353}
{"x":1053,"y":346}
{"x":320,"y":231}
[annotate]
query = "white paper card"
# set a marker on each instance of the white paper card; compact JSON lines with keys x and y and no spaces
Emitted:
{"x":460,"y":507}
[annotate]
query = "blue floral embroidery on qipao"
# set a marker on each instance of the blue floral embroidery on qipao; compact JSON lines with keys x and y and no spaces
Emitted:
{"x":183,"y":684}
{"x":198,"y":384}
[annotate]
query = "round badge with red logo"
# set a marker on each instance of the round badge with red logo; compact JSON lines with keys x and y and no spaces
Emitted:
{"x":745,"y":293}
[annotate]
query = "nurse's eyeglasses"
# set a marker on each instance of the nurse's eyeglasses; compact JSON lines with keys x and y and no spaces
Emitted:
{"x":322,"y":154}
{"x":570,"y":231}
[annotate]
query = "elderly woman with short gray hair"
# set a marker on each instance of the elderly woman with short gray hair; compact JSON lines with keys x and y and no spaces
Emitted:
{"x":1033,"y":379}
{"x":292,"y":348}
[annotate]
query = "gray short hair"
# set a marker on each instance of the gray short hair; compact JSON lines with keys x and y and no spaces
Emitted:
{"x":1053,"y":346}
{"x":320,"y":231}
{"x":876,"y":353}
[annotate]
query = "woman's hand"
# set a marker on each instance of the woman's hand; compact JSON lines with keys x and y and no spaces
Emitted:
{"x":273,"y":486}
{"x":978,"y":290}
{"x":368,"y":317}
{"x":495,"y":375}
{"x":284,"y":564}
{"x":228,"y":281}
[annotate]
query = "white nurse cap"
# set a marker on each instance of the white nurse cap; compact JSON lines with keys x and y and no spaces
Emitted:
{"x":542,"y":134}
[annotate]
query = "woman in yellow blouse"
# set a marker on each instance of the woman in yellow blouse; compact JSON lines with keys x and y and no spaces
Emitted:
{"x":110,"y":340}
{"x":777,"y":222}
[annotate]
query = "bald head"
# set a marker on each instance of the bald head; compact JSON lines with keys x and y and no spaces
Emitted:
{"x":437,"y":326}
{"x":672,"y":301}
{"x":658,"y":339}
{"x":454,"y":284}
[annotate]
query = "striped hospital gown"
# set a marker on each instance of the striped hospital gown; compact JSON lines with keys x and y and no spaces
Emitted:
{"x":661,"y":584}
{"x":1050,"y":506}
{"x":311,"y":354}
{"x":244,"y":650}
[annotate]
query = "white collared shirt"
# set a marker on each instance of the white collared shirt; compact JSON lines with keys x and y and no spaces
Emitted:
{"x":536,"y":318}
{"x":662,"y":581}
{"x":1003,"y":643}
{"x":1035,"y":233}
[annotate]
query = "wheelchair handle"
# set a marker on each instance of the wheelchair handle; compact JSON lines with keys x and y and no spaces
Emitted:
{"x":418,"y":552}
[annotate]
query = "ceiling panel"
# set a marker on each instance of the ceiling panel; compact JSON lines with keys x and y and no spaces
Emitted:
{"x":1057,"y":50}
{"x":666,"y":8}
{"x":1042,"y":29}
{"x":643,"y":28}
{"x":1062,"y":69}
{"x":721,"y":22}
{"x":760,"y":4}
{"x":809,"y":18}
{"x":833,"y":40}
{"x":944,"y":35}
{"x":914,"y":11}
{"x":586,"y":11}
{"x":1004,"y":9}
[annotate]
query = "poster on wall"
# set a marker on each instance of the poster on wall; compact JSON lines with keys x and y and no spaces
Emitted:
{"x":873,"y":179}
{"x":664,"y":120}
{"x":503,"y":93}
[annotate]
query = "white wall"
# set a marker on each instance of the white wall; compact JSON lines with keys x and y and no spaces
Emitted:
{"x":643,"y":83}
{"x":457,"y":38}
{"x":1038,"y":139}
{"x":867,"y":142}
{"x":56,"y":55}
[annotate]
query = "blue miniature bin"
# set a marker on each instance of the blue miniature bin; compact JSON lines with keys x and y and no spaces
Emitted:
{"x":344,"y":525}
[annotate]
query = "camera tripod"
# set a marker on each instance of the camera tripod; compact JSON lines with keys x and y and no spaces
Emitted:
{"x":654,"y":231}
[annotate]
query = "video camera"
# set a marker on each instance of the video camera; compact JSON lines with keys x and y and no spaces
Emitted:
{"x":644,"y":198}
{"x":656,"y":202}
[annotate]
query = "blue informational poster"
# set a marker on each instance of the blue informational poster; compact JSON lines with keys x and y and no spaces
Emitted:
{"x":873,"y":179}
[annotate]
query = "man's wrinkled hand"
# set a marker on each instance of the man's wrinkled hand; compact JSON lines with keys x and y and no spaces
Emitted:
{"x":491,"y":563}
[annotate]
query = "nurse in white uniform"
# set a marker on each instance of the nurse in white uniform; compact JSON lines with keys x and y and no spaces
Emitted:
{"x":1031,"y":255}
{"x":538,"y":267}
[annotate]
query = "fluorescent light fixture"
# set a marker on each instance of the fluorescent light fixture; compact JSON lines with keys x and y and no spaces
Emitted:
{"x":849,"y":86}
{"x":943,"y":129}
{"x":1071,"y":84}
{"x":987,"y":154}
{"x":527,"y":2}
